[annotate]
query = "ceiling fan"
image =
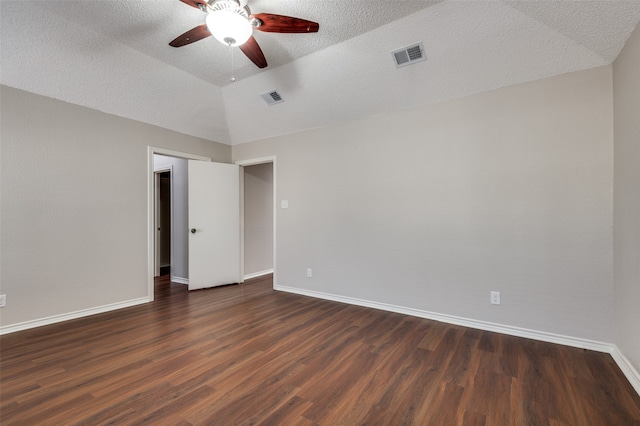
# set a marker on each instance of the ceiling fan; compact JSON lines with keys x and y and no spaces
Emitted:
{"x":232,"y":24}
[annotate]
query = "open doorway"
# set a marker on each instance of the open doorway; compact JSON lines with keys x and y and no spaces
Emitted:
{"x":171,"y":201}
{"x":258,"y":210}
{"x":258,"y":219}
{"x":163,"y":223}
{"x":182,"y":225}
{"x":160,"y":160}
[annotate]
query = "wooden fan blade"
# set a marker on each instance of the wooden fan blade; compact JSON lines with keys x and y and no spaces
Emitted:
{"x":195,"y":3}
{"x":253,"y":52}
{"x":284,"y":24}
{"x":194,"y":34}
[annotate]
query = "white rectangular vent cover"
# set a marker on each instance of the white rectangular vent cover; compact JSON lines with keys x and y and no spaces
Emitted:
{"x":272,"y":97}
{"x":409,"y":55}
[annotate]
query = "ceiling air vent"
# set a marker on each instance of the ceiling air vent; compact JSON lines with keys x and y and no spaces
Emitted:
{"x":272,"y":97}
{"x":409,"y":55}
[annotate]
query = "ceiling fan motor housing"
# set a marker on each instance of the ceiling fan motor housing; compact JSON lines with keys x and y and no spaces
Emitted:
{"x":240,"y":3}
{"x":232,"y":6}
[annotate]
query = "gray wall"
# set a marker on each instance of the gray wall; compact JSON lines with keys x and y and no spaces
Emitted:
{"x":434,"y":207}
{"x":626,"y":223}
{"x":74,"y":204}
{"x":258,"y":218}
{"x":180,"y":214}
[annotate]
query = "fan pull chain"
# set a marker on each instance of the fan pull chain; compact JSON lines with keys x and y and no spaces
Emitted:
{"x":233,"y":78}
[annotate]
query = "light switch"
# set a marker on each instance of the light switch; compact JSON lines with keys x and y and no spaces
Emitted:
{"x":284,"y":204}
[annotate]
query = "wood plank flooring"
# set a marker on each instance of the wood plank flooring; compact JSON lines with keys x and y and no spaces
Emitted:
{"x":246,"y":354}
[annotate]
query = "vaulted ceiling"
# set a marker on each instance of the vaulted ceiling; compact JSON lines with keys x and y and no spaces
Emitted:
{"x":113,"y":56}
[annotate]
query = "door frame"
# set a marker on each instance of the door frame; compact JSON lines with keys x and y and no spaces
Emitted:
{"x":151,"y":235}
{"x":156,"y":216}
{"x":255,"y":162}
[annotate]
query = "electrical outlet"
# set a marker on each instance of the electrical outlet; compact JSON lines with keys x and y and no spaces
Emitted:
{"x":3,"y":300}
{"x":309,"y":273}
{"x":495,"y":297}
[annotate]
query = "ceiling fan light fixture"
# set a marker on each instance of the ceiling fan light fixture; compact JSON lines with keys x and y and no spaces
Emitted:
{"x":229,"y":27}
{"x":232,"y":23}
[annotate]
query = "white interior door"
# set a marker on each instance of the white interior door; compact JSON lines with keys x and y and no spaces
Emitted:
{"x":214,"y":224}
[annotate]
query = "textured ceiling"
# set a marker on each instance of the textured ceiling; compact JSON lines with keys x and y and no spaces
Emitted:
{"x":113,"y":55}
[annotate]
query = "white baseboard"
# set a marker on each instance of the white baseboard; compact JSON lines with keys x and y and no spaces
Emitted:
{"x":179,"y":280}
{"x":624,"y":364}
{"x":627,"y":369}
{"x":258,"y":274}
{"x":71,"y":315}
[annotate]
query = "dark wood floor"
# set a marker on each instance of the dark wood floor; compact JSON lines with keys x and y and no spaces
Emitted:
{"x":246,"y":354}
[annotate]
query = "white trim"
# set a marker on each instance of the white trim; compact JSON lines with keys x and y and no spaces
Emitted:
{"x":466,"y":322}
{"x":177,"y":154}
{"x":241,"y":209}
{"x":623,"y":363}
{"x":71,"y":315}
{"x":254,"y":162}
{"x":179,"y":280}
{"x":151,"y":151}
{"x":167,"y":168}
{"x":627,"y":368}
{"x":258,"y":274}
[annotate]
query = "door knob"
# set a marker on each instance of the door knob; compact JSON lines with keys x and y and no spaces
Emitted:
{"x":193,"y":230}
